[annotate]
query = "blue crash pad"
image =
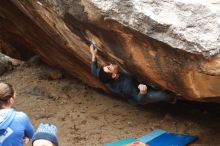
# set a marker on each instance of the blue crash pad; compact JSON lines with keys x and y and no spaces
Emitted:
{"x":122,"y":142}
{"x":159,"y":137}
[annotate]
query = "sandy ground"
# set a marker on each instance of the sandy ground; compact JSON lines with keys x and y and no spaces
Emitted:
{"x":85,"y":117}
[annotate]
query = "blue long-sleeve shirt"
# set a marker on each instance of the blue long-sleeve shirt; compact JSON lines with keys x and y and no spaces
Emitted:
{"x":14,"y":126}
{"x":128,"y":88}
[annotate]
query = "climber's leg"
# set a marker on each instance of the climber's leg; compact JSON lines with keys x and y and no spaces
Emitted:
{"x":158,"y":95}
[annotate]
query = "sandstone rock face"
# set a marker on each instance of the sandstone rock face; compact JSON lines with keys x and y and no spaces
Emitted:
{"x":173,"y":44}
{"x":190,"y":25}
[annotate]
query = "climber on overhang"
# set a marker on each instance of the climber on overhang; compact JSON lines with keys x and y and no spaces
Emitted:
{"x":126,"y":85}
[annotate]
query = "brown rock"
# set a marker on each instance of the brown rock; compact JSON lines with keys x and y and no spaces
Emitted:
{"x":58,"y":32}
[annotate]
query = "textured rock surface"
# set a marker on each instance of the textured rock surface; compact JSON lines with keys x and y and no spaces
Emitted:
{"x":191,"y":25}
{"x":172,"y":44}
{"x":7,"y":63}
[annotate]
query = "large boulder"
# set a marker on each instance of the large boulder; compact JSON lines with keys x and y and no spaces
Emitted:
{"x":173,"y":44}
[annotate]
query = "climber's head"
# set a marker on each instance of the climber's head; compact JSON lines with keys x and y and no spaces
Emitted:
{"x":108,"y":73}
{"x":111,"y":68}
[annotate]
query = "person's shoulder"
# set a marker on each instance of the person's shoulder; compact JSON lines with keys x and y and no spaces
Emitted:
{"x":21,"y":115}
{"x":122,"y":72}
{"x":125,"y":74}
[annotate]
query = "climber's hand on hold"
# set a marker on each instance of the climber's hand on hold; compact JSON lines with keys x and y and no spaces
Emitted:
{"x":93,"y":50}
{"x":142,"y":88}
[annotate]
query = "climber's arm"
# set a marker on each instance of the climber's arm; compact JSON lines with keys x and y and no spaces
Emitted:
{"x":138,"y":97}
{"x":94,"y":66}
{"x":93,"y":51}
{"x":142,"y":93}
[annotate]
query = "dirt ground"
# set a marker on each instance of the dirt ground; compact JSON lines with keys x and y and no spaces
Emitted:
{"x":86,"y":117}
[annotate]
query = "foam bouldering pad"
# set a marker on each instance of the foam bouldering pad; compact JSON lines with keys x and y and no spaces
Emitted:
{"x":150,"y":136}
{"x":169,"y":139}
{"x":122,"y":142}
{"x":157,"y":137}
{"x":164,"y":138}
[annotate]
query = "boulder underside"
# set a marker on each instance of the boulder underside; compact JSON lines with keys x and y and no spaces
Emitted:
{"x":59,"y":30}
